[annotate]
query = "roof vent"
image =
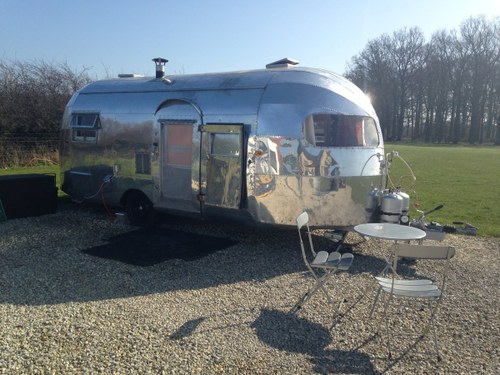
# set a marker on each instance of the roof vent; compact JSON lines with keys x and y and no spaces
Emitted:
{"x":283,"y":63}
{"x":160,"y":66}
{"x":130,"y":75}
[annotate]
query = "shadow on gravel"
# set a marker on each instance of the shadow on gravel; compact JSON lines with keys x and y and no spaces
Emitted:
{"x":52,"y":266}
{"x":149,"y":246}
{"x":290,"y":333}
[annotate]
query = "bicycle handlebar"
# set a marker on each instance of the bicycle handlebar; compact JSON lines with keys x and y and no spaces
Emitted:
{"x":434,"y":209}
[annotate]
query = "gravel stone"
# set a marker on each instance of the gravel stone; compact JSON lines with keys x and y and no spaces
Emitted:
{"x":65,"y":312}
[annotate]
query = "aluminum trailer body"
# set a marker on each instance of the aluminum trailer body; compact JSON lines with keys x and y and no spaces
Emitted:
{"x":261,"y":145}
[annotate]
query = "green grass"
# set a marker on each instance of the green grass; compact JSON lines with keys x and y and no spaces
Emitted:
{"x":466,"y":180}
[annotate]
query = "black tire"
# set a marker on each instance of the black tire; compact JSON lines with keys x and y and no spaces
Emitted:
{"x":139,"y":209}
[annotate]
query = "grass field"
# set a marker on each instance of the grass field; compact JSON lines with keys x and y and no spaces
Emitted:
{"x":466,"y":180}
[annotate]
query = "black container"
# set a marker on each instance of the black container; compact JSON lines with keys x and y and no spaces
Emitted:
{"x":28,"y":195}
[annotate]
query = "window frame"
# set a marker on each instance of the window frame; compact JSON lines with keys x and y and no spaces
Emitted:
{"x":85,"y":132}
{"x":322,"y":129}
{"x":232,"y":139}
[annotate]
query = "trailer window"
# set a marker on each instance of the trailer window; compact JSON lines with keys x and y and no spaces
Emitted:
{"x":332,"y":130}
{"x":84,"y":127}
{"x":85,"y":120}
{"x":142,"y":162}
{"x":84,"y":135}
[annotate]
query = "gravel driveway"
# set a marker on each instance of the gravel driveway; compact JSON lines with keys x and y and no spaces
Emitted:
{"x":65,"y":312}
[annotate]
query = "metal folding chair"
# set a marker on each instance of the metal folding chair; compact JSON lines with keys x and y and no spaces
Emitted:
{"x":322,"y":265}
{"x":427,"y":290}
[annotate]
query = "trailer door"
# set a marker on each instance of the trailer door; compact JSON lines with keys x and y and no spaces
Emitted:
{"x":179,"y":150}
{"x":221,"y":174}
{"x":177,"y":160}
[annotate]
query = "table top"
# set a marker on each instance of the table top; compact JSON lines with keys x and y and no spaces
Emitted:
{"x":390,"y":231}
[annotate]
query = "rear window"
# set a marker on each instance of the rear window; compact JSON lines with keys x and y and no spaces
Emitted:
{"x":85,"y":120}
{"x":335,"y":130}
{"x":84,"y":127}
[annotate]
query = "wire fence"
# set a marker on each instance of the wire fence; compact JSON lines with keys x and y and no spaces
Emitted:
{"x":29,"y":149}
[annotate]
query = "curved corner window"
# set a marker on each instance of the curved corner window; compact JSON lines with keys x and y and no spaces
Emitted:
{"x":84,"y":127}
{"x":337,"y":130}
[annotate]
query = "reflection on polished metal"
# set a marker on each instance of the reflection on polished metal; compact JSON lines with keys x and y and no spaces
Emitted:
{"x":262,"y":145}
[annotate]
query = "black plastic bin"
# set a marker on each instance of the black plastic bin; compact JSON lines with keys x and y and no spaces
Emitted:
{"x":26,"y":195}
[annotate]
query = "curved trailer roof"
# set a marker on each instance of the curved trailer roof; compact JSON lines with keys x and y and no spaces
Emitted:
{"x":238,"y":80}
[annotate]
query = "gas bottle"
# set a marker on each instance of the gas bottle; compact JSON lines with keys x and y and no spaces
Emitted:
{"x":372,"y":200}
{"x":405,"y":209}
{"x":391,"y":207}
{"x":372,"y":205}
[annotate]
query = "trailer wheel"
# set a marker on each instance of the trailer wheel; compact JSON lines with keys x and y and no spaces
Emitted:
{"x":139,"y":209}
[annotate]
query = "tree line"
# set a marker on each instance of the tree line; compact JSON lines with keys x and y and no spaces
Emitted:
{"x":33,"y":95}
{"x":446,"y":90}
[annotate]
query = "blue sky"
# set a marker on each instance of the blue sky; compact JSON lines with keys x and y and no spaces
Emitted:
{"x":109,"y":37}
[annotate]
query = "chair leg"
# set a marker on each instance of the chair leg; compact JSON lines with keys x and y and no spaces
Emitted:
{"x":320,"y":282}
{"x":338,"y":306}
{"x":306,"y":297}
{"x":375,"y":302}
{"x":387,"y":325}
{"x":432,"y":326}
{"x":311,"y":292}
{"x":299,"y":303}
{"x":429,"y":326}
{"x":382,"y":300}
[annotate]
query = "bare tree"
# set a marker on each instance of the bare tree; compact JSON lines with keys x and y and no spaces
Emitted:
{"x":371,"y":71}
{"x":407,"y":53}
{"x":446,"y":90}
{"x":438,"y":78}
{"x":33,"y":96}
{"x":386,"y":67}
{"x":478,"y":39}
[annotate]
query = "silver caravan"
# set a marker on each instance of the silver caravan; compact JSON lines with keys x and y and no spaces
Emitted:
{"x":261,"y":145}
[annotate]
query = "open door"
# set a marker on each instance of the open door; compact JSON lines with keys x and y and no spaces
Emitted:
{"x":179,"y":156}
{"x":177,"y":159}
{"x":221,"y":172}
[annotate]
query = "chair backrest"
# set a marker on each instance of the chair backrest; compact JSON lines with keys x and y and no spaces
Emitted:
{"x":303,"y":221}
{"x":414,"y":251}
{"x":404,"y":250}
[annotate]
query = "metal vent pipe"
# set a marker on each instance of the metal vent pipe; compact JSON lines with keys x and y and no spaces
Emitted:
{"x":160,"y":66}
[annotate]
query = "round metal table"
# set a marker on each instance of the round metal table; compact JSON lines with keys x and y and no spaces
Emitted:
{"x":390,"y":231}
